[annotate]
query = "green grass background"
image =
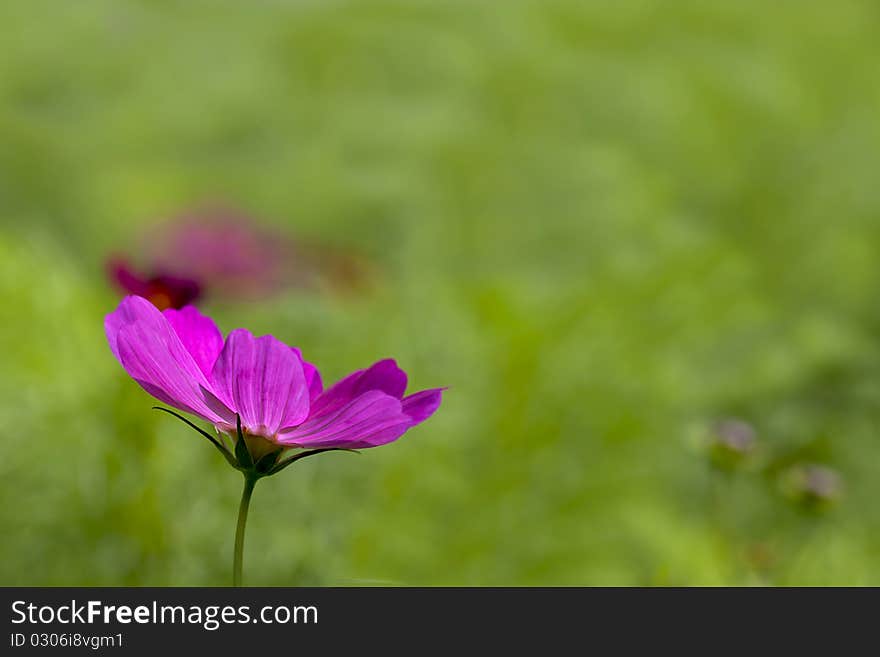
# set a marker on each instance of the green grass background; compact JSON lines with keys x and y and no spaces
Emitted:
{"x":602,"y":224}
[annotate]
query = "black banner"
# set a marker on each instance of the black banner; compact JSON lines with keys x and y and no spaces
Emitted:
{"x":140,"y":621}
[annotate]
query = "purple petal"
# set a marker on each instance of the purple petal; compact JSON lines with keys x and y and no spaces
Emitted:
{"x":127,"y":279}
{"x":198,"y":333}
{"x":374,"y":418}
{"x":164,"y":290}
{"x":263,"y":380}
{"x":421,"y":405}
{"x":313,"y":376}
{"x":383,"y":435}
{"x":153,"y":355}
{"x":128,"y":311}
{"x":384,"y":376}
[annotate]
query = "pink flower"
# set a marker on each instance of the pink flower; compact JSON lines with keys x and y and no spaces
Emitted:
{"x":225,"y":254}
{"x":163,"y":290}
{"x":181,"y":358}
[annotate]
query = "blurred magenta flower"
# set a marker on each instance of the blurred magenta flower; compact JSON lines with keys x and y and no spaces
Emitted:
{"x":162,"y":290}
{"x":259,"y":391}
{"x":227,"y":251}
{"x":220,"y":251}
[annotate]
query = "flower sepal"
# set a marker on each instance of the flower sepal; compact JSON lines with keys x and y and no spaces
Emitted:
{"x":265,"y":465}
{"x":252,"y":458}
{"x":249,"y":459}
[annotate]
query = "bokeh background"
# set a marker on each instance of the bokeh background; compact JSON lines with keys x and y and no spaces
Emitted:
{"x":607,"y":226}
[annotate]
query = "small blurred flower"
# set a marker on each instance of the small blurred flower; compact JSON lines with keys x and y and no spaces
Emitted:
{"x":731,"y":441}
{"x":813,"y":486}
{"x":162,"y":290}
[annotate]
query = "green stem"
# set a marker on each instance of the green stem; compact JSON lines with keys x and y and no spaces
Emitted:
{"x":249,"y":483}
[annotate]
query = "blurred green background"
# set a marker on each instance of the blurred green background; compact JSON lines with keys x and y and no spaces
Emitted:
{"x":605,"y":225}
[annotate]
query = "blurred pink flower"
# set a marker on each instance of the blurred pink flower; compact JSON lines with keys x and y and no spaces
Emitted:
{"x":162,"y":290}
{"x":216,"y":252}
{"x":226,"y":251}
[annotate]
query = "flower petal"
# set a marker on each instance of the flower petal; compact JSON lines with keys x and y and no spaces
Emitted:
{"x":384,"y":376}
{"x":263,"y":380}
{"x":153,"y":355}
{"x":313,"y":376}
{"x":422,"y":405}
{"x":198,"y":333}
{"x":129,"y":310}
{"x":126,"y":278}
{"x":373,"y":418}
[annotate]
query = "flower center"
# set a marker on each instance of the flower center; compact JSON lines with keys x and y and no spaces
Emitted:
{"x":161,"y":300}
{"x":259,"y":446}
